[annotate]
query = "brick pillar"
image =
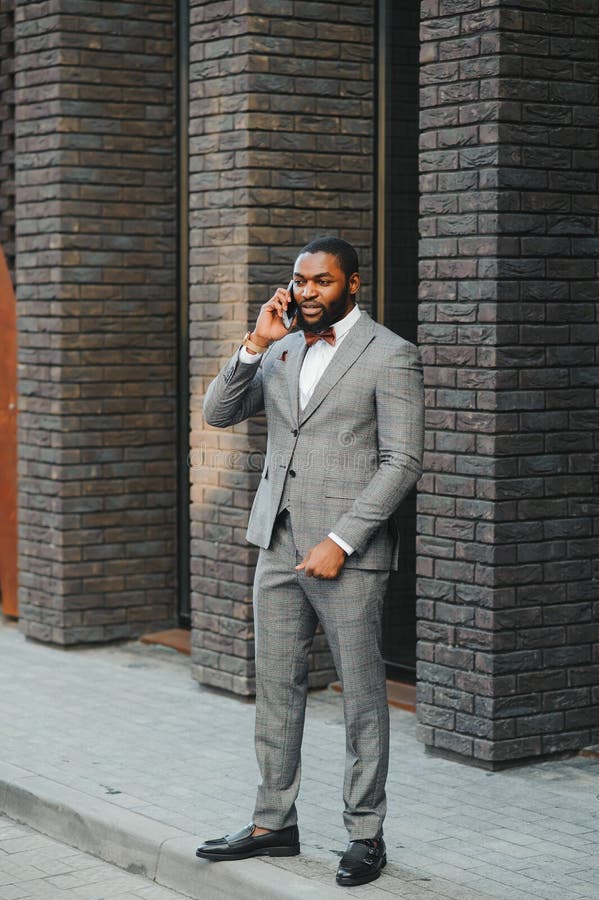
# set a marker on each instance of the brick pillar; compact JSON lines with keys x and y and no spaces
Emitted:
{"x":508,"y":601}
{"x":281,"y":151}
{"x":96,"y":307}
{"x":7,"y":133}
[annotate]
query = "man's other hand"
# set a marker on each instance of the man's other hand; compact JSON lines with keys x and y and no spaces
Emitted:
{"x":325,"y":560}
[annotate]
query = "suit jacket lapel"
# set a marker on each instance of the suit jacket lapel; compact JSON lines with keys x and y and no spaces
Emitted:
{"x":292,"y":369}
{"x":358,"y":337}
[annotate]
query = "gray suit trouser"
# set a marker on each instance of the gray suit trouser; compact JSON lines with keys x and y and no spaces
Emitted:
{"x":287,"y":607}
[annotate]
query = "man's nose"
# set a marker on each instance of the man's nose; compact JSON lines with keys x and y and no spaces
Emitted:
{"x":308,"y":291}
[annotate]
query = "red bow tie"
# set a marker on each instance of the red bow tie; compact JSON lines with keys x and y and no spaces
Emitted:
{"x":327,"y":335}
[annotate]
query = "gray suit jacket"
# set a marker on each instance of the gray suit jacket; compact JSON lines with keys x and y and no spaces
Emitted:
{"x":348,"y":459}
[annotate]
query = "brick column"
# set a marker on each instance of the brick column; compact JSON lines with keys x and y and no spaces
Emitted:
{"x":508,"y":602}
{"x":281,"y":151}
{"x":96,"y":307}
{"x":7,"y":133}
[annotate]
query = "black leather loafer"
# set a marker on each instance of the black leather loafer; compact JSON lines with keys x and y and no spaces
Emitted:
{"x":362,"y":862}
{"x":243,"y":844}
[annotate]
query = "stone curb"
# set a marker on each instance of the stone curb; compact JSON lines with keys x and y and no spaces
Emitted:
{"x":143,"y":846}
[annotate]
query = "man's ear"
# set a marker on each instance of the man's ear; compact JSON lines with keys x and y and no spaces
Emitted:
{"x":354,"y":283}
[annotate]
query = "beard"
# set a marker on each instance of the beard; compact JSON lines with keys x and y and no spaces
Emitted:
{"x":329,"y":316}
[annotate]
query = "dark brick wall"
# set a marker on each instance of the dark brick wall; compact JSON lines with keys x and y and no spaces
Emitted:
{"x":7,"y":133}
{"x":509,"y":535}
{"x":281,"y":150}
{"x":96,"y":307}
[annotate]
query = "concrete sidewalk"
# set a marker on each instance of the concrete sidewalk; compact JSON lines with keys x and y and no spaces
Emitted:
{"x":36,"y":867}
{"x":117,"y":751}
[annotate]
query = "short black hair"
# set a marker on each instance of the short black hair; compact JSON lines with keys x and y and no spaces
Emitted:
{"x":344,"y":253}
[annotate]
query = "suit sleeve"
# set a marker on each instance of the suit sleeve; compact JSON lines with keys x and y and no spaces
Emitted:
{"x":236,"y":393}
{"x":400,"y":431}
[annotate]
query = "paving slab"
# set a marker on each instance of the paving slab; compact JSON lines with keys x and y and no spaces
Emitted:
{"x":118,"y":752}
{"x":36,"y":867}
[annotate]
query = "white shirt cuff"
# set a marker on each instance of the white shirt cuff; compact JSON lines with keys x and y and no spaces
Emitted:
{"x":246,"y":357}
{"x":335,"y":537}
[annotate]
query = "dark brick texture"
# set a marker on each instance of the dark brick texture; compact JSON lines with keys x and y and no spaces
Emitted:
{"x":282,"y":122}
{"x":281,"y":145}
{"x":508,"y":509}
{"x":96,"y":303}
{"x":7,"y":132}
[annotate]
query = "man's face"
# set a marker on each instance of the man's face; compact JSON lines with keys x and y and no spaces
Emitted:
{"x":322,"y":291}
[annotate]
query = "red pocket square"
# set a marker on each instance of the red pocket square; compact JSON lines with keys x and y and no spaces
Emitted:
{"x":283,"y":356}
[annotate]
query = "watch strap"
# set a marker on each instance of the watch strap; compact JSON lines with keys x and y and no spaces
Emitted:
{"x":252,"y":345}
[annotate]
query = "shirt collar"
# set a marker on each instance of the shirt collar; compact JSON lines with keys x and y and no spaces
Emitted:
{"x":343,"y":325}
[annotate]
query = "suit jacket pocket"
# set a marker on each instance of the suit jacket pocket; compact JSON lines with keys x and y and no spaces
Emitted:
{"x":343,"y":491}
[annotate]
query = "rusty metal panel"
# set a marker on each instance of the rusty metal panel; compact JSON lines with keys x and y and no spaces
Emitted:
{"x":8,"y":442}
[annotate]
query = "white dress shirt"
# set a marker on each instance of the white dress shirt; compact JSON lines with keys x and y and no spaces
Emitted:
{"x":317,"y":358}
{"x":319,"y":355}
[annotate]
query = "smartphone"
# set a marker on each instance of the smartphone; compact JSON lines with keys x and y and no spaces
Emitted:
{"x":291,"y":311}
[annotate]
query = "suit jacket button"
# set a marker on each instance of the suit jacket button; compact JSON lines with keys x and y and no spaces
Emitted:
{"x":294,"y":432}
{"x":291,"y":473}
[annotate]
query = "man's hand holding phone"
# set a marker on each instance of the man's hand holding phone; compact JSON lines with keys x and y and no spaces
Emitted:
{"x":274,"y":314}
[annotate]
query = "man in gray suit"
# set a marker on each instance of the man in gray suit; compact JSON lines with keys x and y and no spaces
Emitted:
{"x":343,"y":398}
